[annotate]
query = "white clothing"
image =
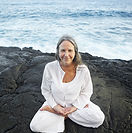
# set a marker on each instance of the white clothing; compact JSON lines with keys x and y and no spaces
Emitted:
{"x":75,"y":93}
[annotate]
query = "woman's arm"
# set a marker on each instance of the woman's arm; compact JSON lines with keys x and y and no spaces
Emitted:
{"x":86,"y":91}
{"x":47,"y":93}
{"x":46,"y":87}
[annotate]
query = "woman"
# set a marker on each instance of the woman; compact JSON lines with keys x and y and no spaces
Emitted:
{"x":67,"y":88}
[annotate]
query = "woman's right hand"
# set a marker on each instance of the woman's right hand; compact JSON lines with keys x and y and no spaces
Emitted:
{"x":59,"y":109}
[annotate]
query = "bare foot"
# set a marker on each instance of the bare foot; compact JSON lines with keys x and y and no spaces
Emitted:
{"x":47,"y":108}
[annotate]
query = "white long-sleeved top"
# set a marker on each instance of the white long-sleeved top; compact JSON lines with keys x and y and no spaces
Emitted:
{"x":76,"y":92}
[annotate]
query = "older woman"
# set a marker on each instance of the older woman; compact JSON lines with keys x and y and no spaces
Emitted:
{"x":67,"y":88}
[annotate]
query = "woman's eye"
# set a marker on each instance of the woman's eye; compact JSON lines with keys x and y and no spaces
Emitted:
{"x":70,"y":50}
{"x":62,"y":50}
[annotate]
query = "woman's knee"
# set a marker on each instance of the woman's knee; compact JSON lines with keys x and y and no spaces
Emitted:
{"x":35,"y":123}
{"x":99,"y":118}
{"x":33,"y":126}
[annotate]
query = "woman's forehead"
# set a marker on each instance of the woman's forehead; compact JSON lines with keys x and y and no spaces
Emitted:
{"x":66,"y":44}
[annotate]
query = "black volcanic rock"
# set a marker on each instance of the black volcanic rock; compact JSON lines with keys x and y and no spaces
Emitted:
{"x":20,"y":96}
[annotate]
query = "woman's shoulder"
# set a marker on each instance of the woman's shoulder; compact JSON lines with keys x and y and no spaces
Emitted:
{"x":51,"y":64}
{"x":82,"y":67}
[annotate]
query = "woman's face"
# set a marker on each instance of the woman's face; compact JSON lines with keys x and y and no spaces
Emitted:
{"x":66,"y":53}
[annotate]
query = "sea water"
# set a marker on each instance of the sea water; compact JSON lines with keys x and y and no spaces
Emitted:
{"x":100,"y":27}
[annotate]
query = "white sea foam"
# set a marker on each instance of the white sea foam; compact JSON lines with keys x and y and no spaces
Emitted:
{"x":101,"y":28}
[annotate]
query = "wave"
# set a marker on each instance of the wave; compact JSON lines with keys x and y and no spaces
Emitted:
{"x":102,"y":13}
{"x":66,"y":13}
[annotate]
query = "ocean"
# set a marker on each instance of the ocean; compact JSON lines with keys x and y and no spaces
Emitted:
{"x":100,"y":27}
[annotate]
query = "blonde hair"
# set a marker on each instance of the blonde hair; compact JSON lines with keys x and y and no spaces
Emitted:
{"x":77,"y":59}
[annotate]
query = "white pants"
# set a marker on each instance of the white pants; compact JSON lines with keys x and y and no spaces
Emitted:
{"x":47,"y":122}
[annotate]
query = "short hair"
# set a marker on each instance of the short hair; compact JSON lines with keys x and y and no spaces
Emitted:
{"x":77,"y":59}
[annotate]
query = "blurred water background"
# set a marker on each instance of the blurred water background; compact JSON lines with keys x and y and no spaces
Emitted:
{"x":100,"y":27}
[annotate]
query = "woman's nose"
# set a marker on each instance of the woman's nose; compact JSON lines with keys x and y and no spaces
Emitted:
{"x":66,"y":53}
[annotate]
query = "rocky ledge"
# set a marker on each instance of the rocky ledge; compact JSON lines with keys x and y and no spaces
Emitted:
{"x":20,"y":97}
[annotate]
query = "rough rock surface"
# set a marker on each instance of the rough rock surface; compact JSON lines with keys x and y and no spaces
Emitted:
{"x":20,"y":96}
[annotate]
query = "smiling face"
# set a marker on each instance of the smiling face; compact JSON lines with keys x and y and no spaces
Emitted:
{"x":66,"y":53}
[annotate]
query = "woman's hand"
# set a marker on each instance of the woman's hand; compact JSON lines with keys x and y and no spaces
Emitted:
{"x":59,"y":109}
{"x":69,"y":110}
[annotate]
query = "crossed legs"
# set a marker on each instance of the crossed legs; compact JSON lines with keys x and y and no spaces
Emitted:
{"x":49,"y":122}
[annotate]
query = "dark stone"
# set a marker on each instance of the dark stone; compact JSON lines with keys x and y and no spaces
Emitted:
{"x":20,"y":96}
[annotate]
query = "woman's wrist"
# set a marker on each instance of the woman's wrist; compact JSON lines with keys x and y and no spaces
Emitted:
{"x":75,"y":108}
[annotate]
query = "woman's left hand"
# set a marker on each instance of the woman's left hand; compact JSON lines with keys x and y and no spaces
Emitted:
{"x":69,"y":110}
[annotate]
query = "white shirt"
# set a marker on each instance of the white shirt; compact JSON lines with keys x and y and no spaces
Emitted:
{"x":76,"y":92}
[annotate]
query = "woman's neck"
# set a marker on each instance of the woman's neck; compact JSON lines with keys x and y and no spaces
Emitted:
{"x":66,"y":68}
